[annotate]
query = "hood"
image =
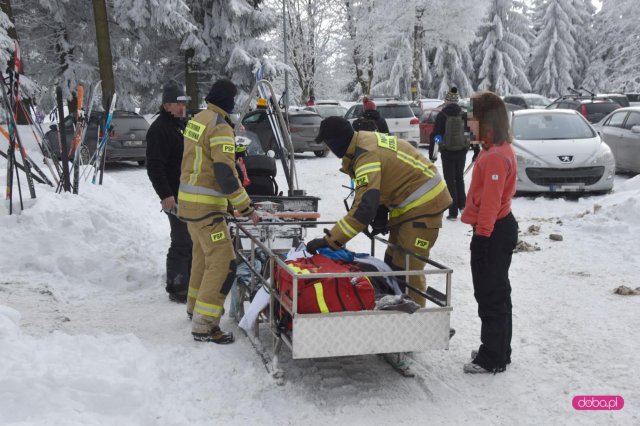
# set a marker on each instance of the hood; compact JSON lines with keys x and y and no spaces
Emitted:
{"x":372,"y":114}
{"x":548,"y":152}
{"x":452,"y":109}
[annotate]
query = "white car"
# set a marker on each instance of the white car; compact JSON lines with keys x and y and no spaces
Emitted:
{"x":399,"y":116}
{"x":559,"y":151}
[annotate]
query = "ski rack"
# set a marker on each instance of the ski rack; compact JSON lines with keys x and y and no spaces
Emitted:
{"x":338,"y":334}
{"x":264,"y":89}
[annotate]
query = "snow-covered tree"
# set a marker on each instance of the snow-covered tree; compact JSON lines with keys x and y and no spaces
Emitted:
{"x":554,"y":57}
{"x":501,"y":51}
{"x":231,"y":30}
{"x":584,"y":37}
{"x":452,"y":65}
{"x":615,"y":59}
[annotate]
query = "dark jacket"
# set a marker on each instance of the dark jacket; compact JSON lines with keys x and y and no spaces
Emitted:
{"x":164,"y":154}
{"x":451,"y":110}
{"x":368,"y":116}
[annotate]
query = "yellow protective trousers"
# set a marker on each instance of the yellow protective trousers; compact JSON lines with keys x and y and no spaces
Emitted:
{"x":416,"y":237}
{"x":213,"y":270}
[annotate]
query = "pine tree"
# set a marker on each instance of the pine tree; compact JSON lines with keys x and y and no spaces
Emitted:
{"x":584,"y":36}
{"x":616,"y":55}
{"x":452,"y":65}
{"x":501,"y":51}
{"x":554,"y":50}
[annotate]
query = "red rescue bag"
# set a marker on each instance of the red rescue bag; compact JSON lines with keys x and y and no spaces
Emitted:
{"x":328,"y":294}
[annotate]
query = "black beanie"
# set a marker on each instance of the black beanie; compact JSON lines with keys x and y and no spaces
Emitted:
{"x":222,"y":94}
{"x":336,"y":132}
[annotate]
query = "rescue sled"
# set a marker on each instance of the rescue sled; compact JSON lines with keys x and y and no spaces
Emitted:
{"x":261,"y":251}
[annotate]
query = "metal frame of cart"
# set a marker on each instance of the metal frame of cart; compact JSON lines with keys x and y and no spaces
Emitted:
{"x":347,"y":333}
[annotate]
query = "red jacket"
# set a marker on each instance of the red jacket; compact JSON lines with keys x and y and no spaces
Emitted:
{"x":493,"y":185}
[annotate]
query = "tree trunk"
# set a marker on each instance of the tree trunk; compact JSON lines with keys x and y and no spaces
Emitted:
{"x":418,"y":36}
{"x":105,"y":59}
{"x":191,"y":80}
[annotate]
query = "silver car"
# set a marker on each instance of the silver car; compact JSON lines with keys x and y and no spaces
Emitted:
{"x":621,"y":131}
{"x":559,"y":151}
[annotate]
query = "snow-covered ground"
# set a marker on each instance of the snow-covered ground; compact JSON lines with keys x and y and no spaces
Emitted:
{"x":88,"y":336}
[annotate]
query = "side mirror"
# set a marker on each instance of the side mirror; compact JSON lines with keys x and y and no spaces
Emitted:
{"x":271,"y":154}
{"x":635,"y":129}
{"x":54,"y":127}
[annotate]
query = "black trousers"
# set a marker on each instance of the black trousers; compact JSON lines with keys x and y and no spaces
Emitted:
{"x":492,"y":291}
{"x":453,"y":163}
{"x":178,"y":257}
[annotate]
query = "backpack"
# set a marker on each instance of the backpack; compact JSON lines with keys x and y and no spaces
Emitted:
{"x":365,"y":123}
{"x":454,"y":137}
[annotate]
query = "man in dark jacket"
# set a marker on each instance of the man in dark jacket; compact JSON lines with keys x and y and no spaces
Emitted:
{"x":370,"y":119}
{"x":453,"y":159}
{"x":165,"y":145}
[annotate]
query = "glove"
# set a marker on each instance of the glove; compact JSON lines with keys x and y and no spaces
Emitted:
{"x":479,"y":252}
{"x":314,"y":245}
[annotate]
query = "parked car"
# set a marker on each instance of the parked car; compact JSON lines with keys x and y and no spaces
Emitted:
{"x":634,"y":99}
{"x":559,"y":151}
{"x":399,"y":116}
{"x":621,"y":131}
{"x":427,"y":123}
{"x":619,"y":98}
{"x":593,"y":110}
{"x":127,"y":139}
{"x":528,"y":100}
{"x":303,"y":128}
{"x":327,"y":110}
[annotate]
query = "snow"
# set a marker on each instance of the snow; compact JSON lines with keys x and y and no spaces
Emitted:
{"x":88,"y":336}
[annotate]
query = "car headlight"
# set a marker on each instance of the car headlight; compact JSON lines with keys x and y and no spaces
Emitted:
{"x":527,"y":161}
{"x":604,"y":156}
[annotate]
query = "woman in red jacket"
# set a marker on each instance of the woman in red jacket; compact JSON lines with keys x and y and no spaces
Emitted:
{"x":495,"y":233}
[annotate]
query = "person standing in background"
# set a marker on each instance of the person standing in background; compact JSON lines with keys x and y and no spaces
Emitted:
{"x":164,"y":159}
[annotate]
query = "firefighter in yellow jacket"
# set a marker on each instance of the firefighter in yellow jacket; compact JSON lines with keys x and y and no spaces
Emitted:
{"x":208,"y":184}
{"x":389,"y":174}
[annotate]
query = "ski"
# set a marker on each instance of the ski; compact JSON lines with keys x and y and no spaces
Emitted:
{"x":21,"y":167}
{"x":102,"y":147}
{"x":64,"y":153}
{"x":14,"y":80}
{"x":76,"y":138}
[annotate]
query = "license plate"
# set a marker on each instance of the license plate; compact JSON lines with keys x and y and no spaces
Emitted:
{"x":402,"y":135}
{"x":132,"y":143}
{"x":566,"y":188}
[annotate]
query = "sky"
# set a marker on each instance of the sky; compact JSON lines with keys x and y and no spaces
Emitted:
{"x":89,"y":337}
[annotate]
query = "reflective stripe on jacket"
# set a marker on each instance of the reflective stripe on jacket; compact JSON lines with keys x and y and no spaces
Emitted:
{"x":209,"y":179}
{"x":391,"y":172}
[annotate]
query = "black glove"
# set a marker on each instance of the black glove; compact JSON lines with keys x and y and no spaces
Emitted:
{"x":479,"y":252}
{"x":379,"y":223}
{"x":314,"y":245}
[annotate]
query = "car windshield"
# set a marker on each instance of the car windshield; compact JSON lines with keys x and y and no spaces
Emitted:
{"x":305,"y":119}
{"x":550,"y":127}
{"x":330,"y":110}
{"x":540,"y":101}
{"x":395,"y":111}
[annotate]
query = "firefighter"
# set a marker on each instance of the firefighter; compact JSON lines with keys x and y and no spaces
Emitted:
{"x":209,"y":188}
{"x":390,"y":177}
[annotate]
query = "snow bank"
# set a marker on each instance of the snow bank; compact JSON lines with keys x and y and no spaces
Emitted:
{"x":99,"y":237}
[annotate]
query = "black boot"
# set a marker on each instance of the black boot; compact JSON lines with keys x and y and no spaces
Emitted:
{"x":216,"y":336}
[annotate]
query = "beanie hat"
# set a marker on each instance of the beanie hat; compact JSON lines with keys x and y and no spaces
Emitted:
{"x":452,"y":96}
{"x":368,"y":104}
{"x":222,"y":94}
{"x":336,"y":132}
{"x":172,"y":92}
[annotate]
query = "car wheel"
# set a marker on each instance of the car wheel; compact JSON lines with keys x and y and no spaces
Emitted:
{"x":142,"y":162}
{"x":321,"y":154}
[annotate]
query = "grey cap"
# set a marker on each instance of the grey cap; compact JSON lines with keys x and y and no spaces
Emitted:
{"x":173,"y":92}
